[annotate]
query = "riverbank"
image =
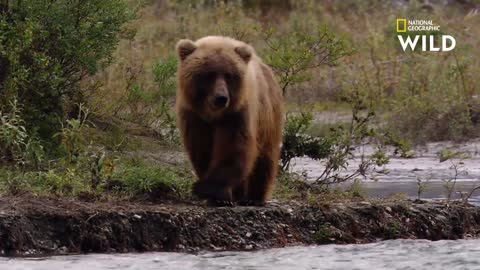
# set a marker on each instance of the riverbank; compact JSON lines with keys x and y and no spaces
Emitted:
{"x":38,"y":225}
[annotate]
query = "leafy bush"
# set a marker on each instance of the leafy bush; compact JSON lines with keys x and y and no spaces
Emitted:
{"x":297,"y":143}
{"x":47,"y":48}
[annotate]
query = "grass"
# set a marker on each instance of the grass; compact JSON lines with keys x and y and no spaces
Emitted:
{"x":98,"y":161}
{"x":139,"y":178}
{"x":127,"y":180}
{"x":157,"y":181}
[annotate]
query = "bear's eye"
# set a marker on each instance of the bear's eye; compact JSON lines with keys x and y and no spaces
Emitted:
{"x":229,"y":77}
{"x":204,"y":78}
{"x":209,"y":76}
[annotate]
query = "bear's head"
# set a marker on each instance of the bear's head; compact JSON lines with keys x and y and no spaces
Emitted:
{"x":211,"y":74}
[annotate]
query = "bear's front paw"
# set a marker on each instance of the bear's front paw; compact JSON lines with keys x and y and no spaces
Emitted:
{"x":201,"y":190}
{"x":247,"y":202}
{"x":211,"y":190}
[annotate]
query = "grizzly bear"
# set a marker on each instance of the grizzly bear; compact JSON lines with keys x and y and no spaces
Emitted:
{"x":230,"y":115}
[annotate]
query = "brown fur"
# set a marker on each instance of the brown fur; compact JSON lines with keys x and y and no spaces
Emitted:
{"x":234,"y":149}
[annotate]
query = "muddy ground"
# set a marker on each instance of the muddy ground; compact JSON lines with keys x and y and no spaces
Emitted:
{"x":38,"y":225}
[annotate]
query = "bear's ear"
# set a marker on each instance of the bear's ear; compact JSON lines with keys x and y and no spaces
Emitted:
{"x":185,"y":47}
{"x":245,"y":52}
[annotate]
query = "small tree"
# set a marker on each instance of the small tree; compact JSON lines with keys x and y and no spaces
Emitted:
{"x":293,"y":56}
{"x":346,"y":139}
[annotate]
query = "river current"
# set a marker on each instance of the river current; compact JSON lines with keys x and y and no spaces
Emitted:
{"x":393,"y":254}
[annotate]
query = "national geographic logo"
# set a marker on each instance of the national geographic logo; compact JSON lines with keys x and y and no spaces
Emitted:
{"x":401,"y":25}
{"x":429,"y":43}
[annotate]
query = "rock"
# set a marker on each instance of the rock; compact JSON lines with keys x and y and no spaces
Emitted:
{"x":63,"y":250}
{"x":364,"y":203}
{"x":215,"y":247}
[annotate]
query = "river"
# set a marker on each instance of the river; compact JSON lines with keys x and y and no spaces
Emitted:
{"x":393,"y":254}
{"x":400,"y":175}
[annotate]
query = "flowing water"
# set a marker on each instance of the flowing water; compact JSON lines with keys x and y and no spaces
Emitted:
{"x":400,"y":174}
{"x":394,"y":254}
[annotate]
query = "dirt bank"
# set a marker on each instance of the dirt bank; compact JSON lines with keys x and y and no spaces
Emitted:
{"x":33,"y":226}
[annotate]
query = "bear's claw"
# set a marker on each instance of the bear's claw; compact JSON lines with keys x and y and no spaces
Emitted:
{"x":220,"y":203}
{"x":247,"y":202}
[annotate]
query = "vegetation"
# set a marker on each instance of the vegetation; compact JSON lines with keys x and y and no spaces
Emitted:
{"x":47,"y":48}
{"x":87,"y":89}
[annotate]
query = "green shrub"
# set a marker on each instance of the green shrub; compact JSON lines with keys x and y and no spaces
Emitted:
{"x":47,"y":48}
{"x":297,"y":143}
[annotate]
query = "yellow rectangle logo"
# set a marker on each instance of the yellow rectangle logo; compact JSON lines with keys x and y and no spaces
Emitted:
{"x":401,"y":25}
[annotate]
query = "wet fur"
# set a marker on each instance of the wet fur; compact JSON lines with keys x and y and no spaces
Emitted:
{"x":234,"y":152}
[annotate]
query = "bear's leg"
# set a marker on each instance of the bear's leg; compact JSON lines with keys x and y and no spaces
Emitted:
{"x":240,"y":192}
{"x":197,"y":138}
{"x":232,"y":160}
{"x":261,"y":181}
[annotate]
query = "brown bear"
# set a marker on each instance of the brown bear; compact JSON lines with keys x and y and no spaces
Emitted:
{"x":230,"y":115}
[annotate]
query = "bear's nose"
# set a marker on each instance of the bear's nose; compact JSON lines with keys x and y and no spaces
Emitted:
{"x":220,"y":101}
